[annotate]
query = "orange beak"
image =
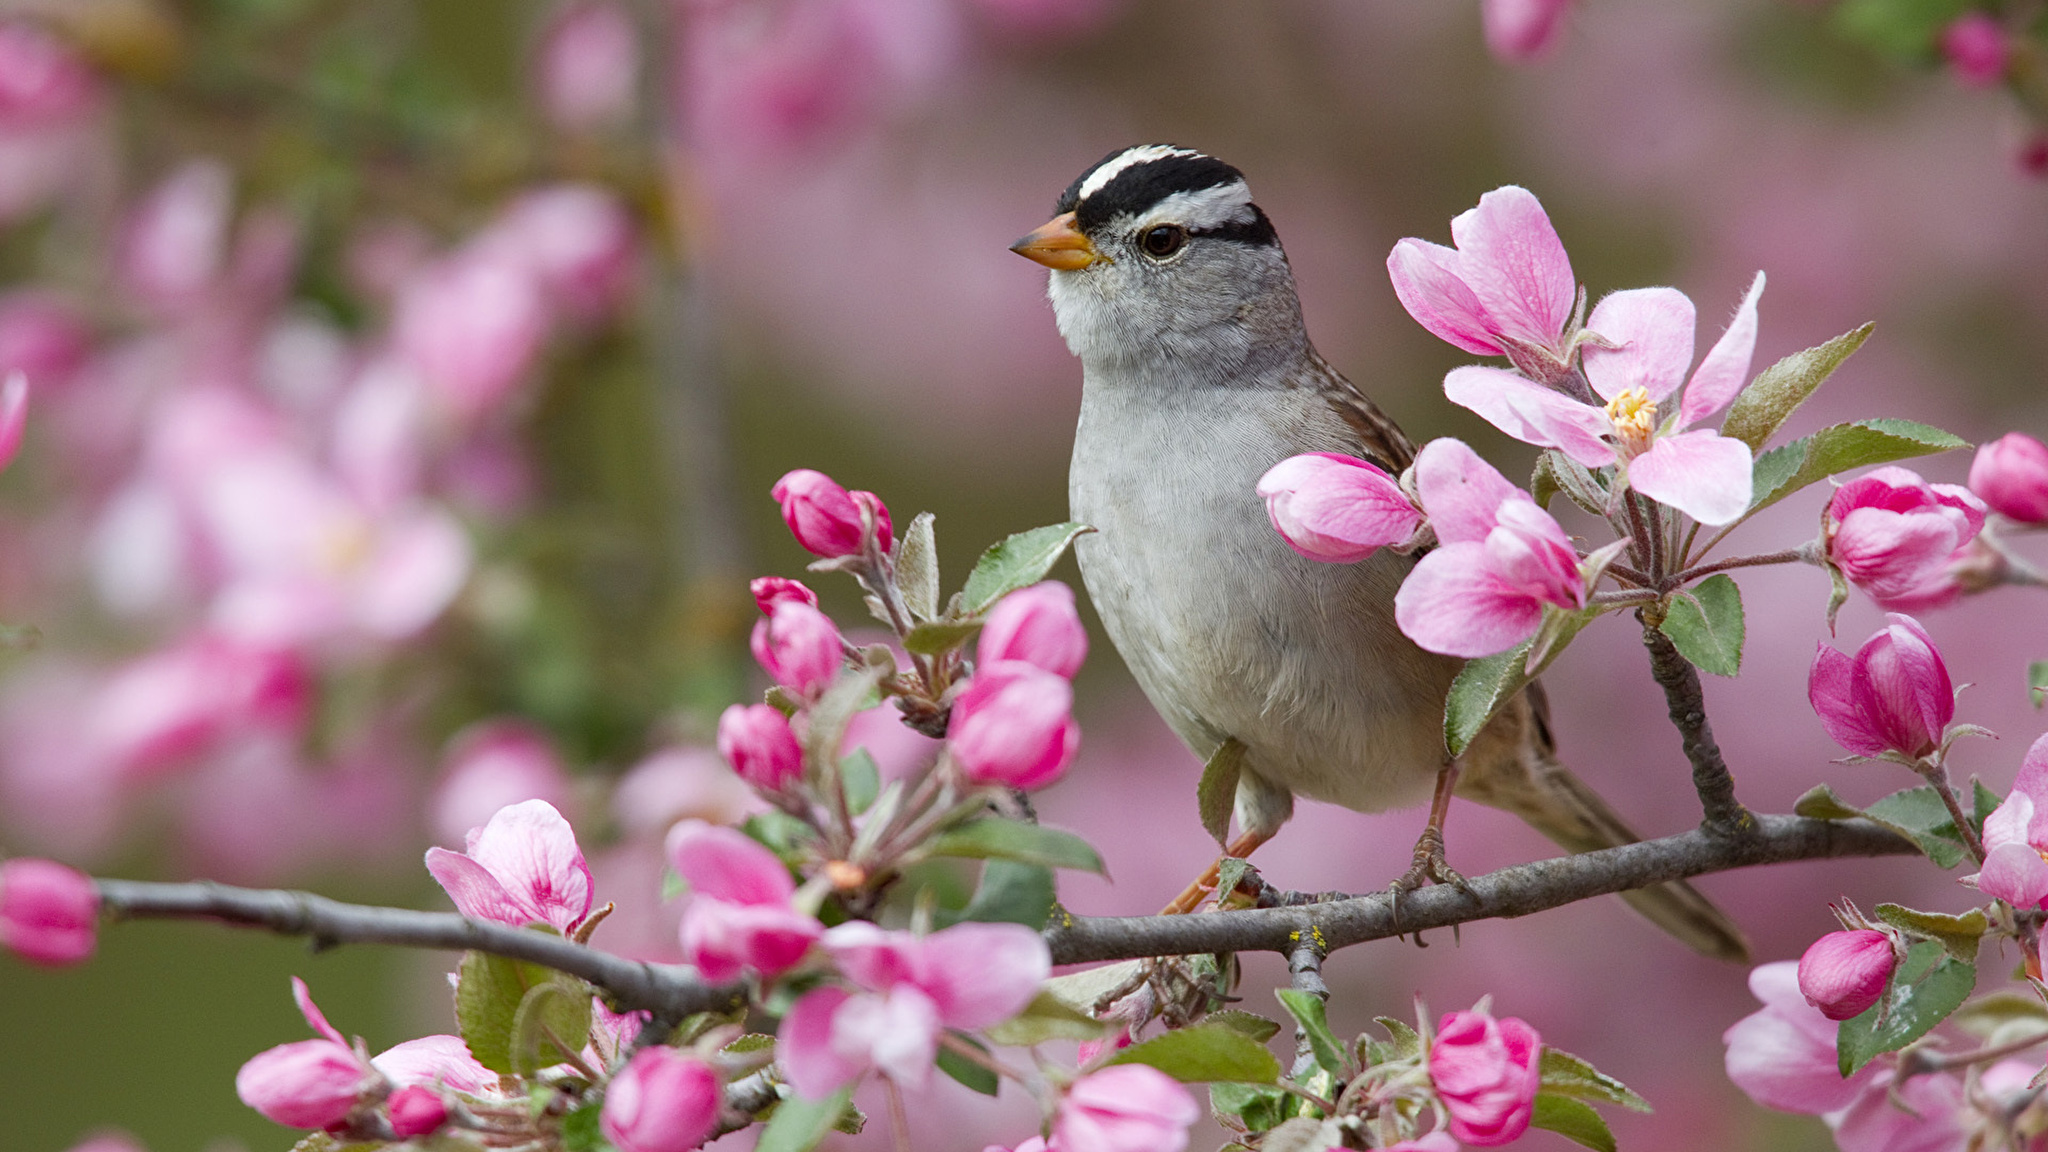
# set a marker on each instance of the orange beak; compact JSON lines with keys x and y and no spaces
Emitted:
{"x":1058,"y":244}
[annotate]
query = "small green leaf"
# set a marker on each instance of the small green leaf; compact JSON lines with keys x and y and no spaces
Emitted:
{"x":1984,"y":802}
{"x":1010,"y":892}
{"x":1312,"y":1015}
{"x":488,"y":992}
{"x":1705,"y":625}
{"x":798,"y":1125}
{"x":967,"y":1072}
{"x":779,"y":832}
{"x":1217,"y":793}
{"x":1779,"y":390}
{"x":1572,"y":1119}
{"x":1557,"y":472}
{"x":1257,"y":1105}
{"x":1018,"y":562}
{"x":917,"y":568}
{"x":1403,"y":1042}
{"x":1567,"y":1075}
{"x":1838,"y":448}
{"x":935,"y":638}
{"x":1045,"y":1018}
{"x":1251,"y":1024}
{"x":2001,"y":1015}
{"x":863,"y":780}
{"x":1205,"y":1052}
{"x":1921,"y":816}
{"x":2037,"y":681}
{"x":1486,"y":684}
{"x":1928,"y":985}
{"x":853,"y":691}
{"x":580,"y":1131}
{"x":750,"y":1042}
{"x":1820,"y":803}
{"x":552,"y":1024}
{"x":1960,"y":935}
{"x":992,"y":837}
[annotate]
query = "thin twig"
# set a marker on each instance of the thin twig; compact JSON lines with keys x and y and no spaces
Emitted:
{"x":1680,"y":579}
{"x":1687,"y":704}
{"x":1936,"y":774}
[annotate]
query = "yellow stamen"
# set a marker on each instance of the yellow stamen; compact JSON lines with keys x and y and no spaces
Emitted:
{"x":1635,"y":421}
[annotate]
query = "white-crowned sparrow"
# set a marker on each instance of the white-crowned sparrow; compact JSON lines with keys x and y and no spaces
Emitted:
{"x":1171,"y":287}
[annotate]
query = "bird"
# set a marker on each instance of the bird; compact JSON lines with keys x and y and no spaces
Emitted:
{"x":1170,"y":285}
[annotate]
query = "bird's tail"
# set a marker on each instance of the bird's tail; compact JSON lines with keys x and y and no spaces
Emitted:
{"x":1512,"y":767}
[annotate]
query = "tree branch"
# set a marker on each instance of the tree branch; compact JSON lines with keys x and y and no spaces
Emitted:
{"x":1688,"y":706}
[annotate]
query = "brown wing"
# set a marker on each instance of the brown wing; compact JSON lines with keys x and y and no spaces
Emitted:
{"x":1382,"y":439}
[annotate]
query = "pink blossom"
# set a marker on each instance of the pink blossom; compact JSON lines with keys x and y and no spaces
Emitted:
{"x":176,"y":243}
{"x":1926,"y":1117}
{"x":1843,"y":973}
{"x":1522,"y":30}
{"x":662,"y":1101}
{"x":520,"y":868}
{"x":42,"y":80}
{"x":42,"y":337}
{"x":577,"y":241}
{"x":491,"y":765}
{"x":436,"y":1061}
{"x":1975,"y":47}
{"x":1124,"y":1108}
{"x":1893,"y":696}
{"x":49,"y":914}
{"x":769,"y":589}
{"x":309,"y":1083}
{"x":1701,"y":473}
{"x":587,"y":74}
{"x":416,"y":1111}
{"x":1783,"y":1055}
{"x":1013,"y":725}
{"x":831,"y":1037}
{"x":739,"y":916}
{"x":2011,"y":475}
{"x":161,"y":710}
{"x":1485,"y":1072}
{"x":1507,"y":283}
{"x":756,"y":740}
{"x":799,"y":646}
{"x":1501,"y":559}
{"x":2016,"y":836}
{"x":1338,"y":509}
{"x":677,"y":782}
{"x":1893,"y":534}
{"x":472,"y":324}
{"x":1038,"y":625}
{"x":825,"y":518}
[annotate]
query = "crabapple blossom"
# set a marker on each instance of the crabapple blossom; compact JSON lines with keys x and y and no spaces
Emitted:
{"x":739,"y":916}
{"x":1124,"y":1108}
{"x":1507,"y":285}
{"x":160,"y":710}
{"x":1783,"y":1055}
{"x":307,"y":1083}
{"x":1336,"y":508}
{"x":442,"y":1061}
{"x":587,"y":70}
{"x":416,"y":1111}
{"x":1038,"y":625}
{"x":825,"y":518}
{"x":1975,"y":46}
{"x":831,"y":1037}
{"x":1501,"y":559}
{"x":1843,"y":973}
{"x":768,"y":590}
{"x":576,"y":241}
{"x":522,"y":867}
{"x":1013,"y":725}
{"x":799,"y":646}
{"x":2016,"y":835}
{"x":1485,"y":1071}
{"x":49,"y":913}
{"x":1522,"y":30}
{"x":756,"y":740}
{"x":471,"y":324}
{"x":2011,"y":475}
{"x":1893,"y":696}
{"x":663,"y":1100}
{"x":1894,"y":535}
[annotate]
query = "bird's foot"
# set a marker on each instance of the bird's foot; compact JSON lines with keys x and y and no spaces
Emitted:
{"x":1429,"y":867}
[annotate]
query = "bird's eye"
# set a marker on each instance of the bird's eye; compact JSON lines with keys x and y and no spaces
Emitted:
{"x":1163,"y":241}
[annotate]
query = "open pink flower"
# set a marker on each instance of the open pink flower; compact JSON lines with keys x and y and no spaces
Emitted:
{"x":49,"y":913}
{"x":1038,"y":625}
{"x":2016,"y":836}
{"x":1507,"y":284}
{"x":1501,"y":559}
{"x":521,"y":868}
{"x":309,"y":1083}
{"x":1894,"y":535}
{"x":1124,"y":1108}
{"x":1522,"y":30}
{"x":1485,"y":1072}
{"x":1783,"y":1055}
{"x":1338,"y":509}
{"x":440,"y":1061}
{"x":2011,"y":475}
{"x":1701,"y":473}
{"x":1894,"y":695}
{"x":740,"y":916}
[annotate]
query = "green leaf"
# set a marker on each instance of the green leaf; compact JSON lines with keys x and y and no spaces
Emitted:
{"x":779,"y":832}
{"x":1928,"y":985}
{"x":1217,"y":793}
{"x":1572,"y":1119}
{"x":966,"y":1071}
{"x":1567,"y":1075}
{"x":1779,"y":390}
{"x":1984,"y":802}
{"x":2000,"y":1016}
{"x":1047,"y":1017}
{"x":1085,"y":989}
{"x":935,"y":638}
{"x":2037,"y":681}
{"x":1312,"y":1015}
{"x":750,"y":1042}
{"x":992,"y":837}
{"x":1820,"y":803}
{"x":863,"y":780}
{"x":853,"y":691}
{"x":1205,"y":1052}
{"x":1903,"y":30}
{"x":799,"y":1124}
{"x":1705,"y":625}
{"x":488,"y":993}
{"x":1838,"y":448}
{"x":552,"y":1024}
{"x":1485,"y":684}
{"x":580,"y":1131}
{"x":1921,"y":816}
{"x":1557,"y":472}
{"x":917,"y":568}
{"x":1959,"y":935}
{"x":1257,"y":1105}
{"x":1010,"y":892}
{"x":1251,"y":1024}
{"x":1018,"y":562}
{"x":1403,"y":1042}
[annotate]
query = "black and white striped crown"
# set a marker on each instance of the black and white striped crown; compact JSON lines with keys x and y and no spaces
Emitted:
{"x":1201,"y":193}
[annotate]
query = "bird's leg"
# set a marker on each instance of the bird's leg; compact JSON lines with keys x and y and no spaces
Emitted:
{"x":1429,"y":850}
{"x":1245,"y":844}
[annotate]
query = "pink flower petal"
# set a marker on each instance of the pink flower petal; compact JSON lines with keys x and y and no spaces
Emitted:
{"x":1453,"y":604}
{"x":2032,"y":781}
{"x":2016,"y":874}
{"x":420,"y":564}
{"x":1460,"y":492}
{"x":2010,"y":822}
{"x":1522,"y":30}
{"x":897,"y":1032}
{"x":1783,"y":1055}
{"x":1654,"y":328}
{"x":983,"y":974}
{"x":1337,"y":509}
{"x":1725,"y":368}
{"x":1703,"y":474}
{"x":1926,"y":1118}
{"x":311,"y":1011}
{"x":804,"y":1048}
{"x":1516,"y":266}
{"x":442,"y":1059}
{"x":871,"y":956}
{"x":13,"y":414}
{"x":1427,"y":282}
{"x":1532,"y":413}
{"x":477,"y":893}
{"x":1828,"y":690}
{"x":727,"y":864}
{"x":532,"y":851}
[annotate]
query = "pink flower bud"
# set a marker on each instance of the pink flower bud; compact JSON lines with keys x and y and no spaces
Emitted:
{"x":739,"y":916}
{"x":417,"y":1111}
{"x":1013,"y":725}
{"x":1124,"y":1108}
{"x":885,"y":532}
{"x":825,"y":518}
{"x":1893,"y":534}
{"x":1844,"y":973}
{"x":1338,"y":509}
{"x":304,"y":1084}
{"x":1522,"y":30}
{"x":799,"y":646}
{"x":48,"y":913}
{"x":1037,"y":625}
{"x":1975,"y":48}
{"x":1894,"y":695}
{"x":1486,"y":1074}
{"x":2011,"y":474}
{"x":588,"y":72}
{"x":661,"y":1101}
{"x":768,"y":590}
{"x":756,"y":740}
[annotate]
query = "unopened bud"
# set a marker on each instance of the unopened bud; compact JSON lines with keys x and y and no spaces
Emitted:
{"x":1844,"y":973}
